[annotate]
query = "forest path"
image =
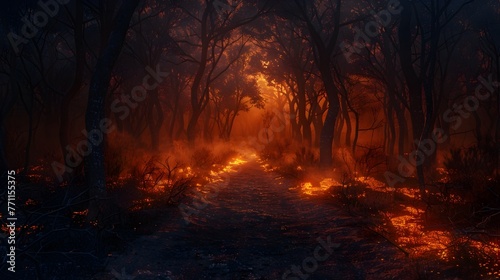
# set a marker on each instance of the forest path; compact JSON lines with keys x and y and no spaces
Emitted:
{"x":258,"y":227}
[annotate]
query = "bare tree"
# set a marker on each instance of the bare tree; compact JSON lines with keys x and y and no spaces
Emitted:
{"x":94,"y":162}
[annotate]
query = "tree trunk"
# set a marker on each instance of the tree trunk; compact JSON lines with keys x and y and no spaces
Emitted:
{"x":318,"y":127}
{"x":294,"y":124}
{"x":191,"y":128}
{"x":403,"y":129}
{"x":348,"y":123}
{"x":326,"y":141}
{"x":207,"y":131}
{"x":94,"y":162}
{"x":413,"y":82}
{"x":317,"y":122}
{"x":356,"y":133}
{"x":196,"y":100}
{"x":327,"y":134}
{"x":391,"y":142}
{"x":305,"y":127}
{"x":181,"y":129}
{"x":175,"y":113}
{"x":339,"y":127}
{"x":155,"y":126}
{"x":28,"y":106}
{"x":77,"y":82}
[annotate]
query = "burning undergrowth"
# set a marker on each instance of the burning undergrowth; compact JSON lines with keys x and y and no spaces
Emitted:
{"x":160,"y":180}
{"x":453,"y":232}
{"x":140,"y":186}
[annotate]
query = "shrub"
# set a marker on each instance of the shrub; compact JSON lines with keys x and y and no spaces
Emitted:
{"x":349,"y":191}
{"x":305,"y":157}
{"x":223,"y":156}
{"x":275,"y":150}
{"x":163,"y":182}
{"x":371,"y":158}
{"x":471,"y":168}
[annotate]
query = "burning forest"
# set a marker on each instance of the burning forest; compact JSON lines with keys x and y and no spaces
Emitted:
{"x":230,"y":139}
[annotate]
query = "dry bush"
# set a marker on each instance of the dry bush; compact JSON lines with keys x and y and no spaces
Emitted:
{"x":164,"y":180}
{"x":275,"y":150}
{"x":355,"y":190}
{"x":176,"y":184}
{"x":290,"y":164}
{"x":356,"y":193}
{"x":370,"y":160}
{"x":470,"y":167}
{"x":223,"y":156}
{"x":366,"y":163}
{"x":349,"y":191}
{"x":472,"y":170}
{"x":291,"y":170}
{"x":305,"y":157}
{"x":469,"y":260}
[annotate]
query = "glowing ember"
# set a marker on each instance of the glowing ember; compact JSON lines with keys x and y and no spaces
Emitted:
{"x":318,"y":187}
{"x":421,"y":242}
{"x":237,"y":161}
{"x":411,"y":193}
{"x":372,"y":183}
{"x":230,"y":167}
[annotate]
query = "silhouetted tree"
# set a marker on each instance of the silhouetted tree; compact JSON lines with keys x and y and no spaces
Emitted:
{"x":95,"y":117}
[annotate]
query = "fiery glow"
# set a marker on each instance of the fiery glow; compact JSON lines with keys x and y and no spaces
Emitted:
{"x":410,"y":193}
{"x":234,"y":163}
{"x":410,"y":231}
{"x":419,"y":241}
{"x":371,"y":182}
{"x":230,"y":167}
{"x":317,"y":188}
{"x":79,"y":214}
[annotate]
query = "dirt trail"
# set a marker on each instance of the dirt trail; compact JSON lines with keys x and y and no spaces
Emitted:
{"x":257,"y":228}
